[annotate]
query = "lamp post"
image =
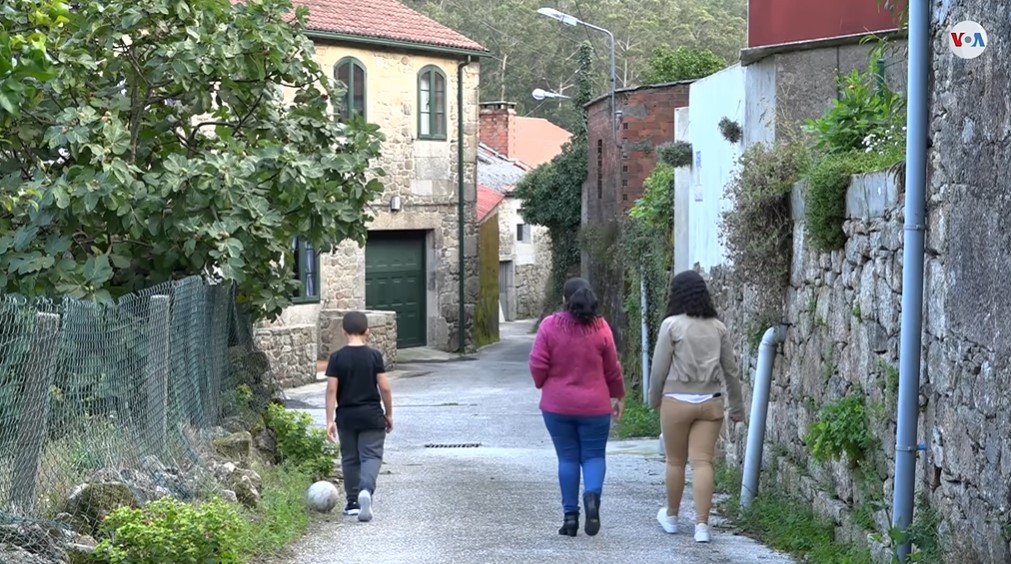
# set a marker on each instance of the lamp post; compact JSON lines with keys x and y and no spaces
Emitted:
{"x":540,"y":94}
{"x":573,"y":21}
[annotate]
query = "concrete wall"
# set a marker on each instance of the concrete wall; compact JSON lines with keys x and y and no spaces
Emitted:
{"x":715,"y":160}
{"x":682,"y":196}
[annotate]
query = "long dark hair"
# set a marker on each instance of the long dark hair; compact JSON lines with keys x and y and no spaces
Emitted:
{"x":690,"y":296}
{"x":580,"y":301}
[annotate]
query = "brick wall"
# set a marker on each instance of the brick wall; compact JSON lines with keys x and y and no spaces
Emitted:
{"x":498,"y":127}
{"x":615,"y":174}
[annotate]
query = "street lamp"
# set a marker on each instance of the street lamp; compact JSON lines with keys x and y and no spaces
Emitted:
{"x":540,"y":94}
{"x":573,"y":21}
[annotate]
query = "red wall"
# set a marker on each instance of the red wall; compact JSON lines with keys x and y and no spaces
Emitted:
{"x":771,"y":22}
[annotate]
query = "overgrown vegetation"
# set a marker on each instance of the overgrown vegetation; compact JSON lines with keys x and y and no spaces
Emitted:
{"x":486,"y":329}
{"x":676,"y":154}
{"x":667,"y":64}
{"x":638,"y":421}
{"x":863,"y":131}
{"x":731,"y":130}
{"x":842,"y":429}
{"x":552,"y":195}
{"x":758,"y":231}
{"x":161,"y":146}
{"x":299,"y":443}
{"x":784,"y":522}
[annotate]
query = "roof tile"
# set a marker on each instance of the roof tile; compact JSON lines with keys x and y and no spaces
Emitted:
{"x":538,"y":140}
{"x":382,"y":19}
{"x":487,"y":201}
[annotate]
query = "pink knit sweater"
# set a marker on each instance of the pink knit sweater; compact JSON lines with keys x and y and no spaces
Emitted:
{"x":576,"y":366}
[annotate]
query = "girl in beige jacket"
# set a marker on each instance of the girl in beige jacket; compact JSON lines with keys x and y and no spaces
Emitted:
{"x":692,"y":362}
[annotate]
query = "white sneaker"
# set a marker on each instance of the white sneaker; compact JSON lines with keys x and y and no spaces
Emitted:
{"x":702,"y":532}
{"x":668,"y":522}
{"x":365,"y":501}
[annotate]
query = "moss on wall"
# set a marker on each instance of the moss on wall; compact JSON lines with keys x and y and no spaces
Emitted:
{"x":486,"y":315}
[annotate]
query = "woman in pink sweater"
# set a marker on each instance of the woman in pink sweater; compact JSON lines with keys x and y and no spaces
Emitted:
{"x":575,"y":365}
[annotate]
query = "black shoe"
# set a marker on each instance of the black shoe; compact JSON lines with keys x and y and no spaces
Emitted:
{"x":352,"y":508}
{"x":571,"y":525}
{"x":591,"y":502}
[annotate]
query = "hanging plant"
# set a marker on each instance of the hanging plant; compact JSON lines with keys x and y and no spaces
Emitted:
{"x":676,"y":154}
{"x":731,"y":130}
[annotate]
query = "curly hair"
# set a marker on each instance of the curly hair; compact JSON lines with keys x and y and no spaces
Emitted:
{"x":690,"y":296}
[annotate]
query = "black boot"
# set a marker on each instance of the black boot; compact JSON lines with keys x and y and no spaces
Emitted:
{"x":571,"y":525}
{"x":591,"y":502}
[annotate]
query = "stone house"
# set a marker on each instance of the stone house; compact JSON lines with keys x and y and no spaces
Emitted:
{"x":403,"y":71}
{"x":510,"y":147}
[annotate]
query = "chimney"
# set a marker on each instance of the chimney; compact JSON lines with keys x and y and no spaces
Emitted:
{"x":498,"y":127}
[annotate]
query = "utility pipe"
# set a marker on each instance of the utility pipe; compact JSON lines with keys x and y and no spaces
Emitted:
{"x":912,"y":271}
{"x":643,"y":305}
{"x":460,"y":246}
{"x":759,"y":410}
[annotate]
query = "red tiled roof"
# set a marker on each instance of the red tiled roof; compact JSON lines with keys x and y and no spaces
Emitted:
{"x":538,"y":140}
{"x":487,"y":201}
{"x":381,"y":19}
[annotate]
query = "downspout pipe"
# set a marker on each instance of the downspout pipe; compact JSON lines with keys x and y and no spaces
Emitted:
{"x":759,"y":411}
{"x":910,"y":336}
{"x":460,"y":246}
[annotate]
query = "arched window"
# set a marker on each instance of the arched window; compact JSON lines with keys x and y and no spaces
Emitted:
{"x":431,"y":103}
{"x":351,"y":72}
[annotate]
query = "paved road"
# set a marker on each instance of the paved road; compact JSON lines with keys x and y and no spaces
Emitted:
{"x":499,"y":502}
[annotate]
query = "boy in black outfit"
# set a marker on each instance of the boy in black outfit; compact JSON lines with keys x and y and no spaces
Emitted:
{"x":356,"y":385}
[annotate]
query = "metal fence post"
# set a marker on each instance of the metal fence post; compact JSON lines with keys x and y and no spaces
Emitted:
{"x":32,"y":426}
{"x":156,"y":372}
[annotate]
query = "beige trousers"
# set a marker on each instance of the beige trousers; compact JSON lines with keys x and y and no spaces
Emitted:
{"x":690,"y":432}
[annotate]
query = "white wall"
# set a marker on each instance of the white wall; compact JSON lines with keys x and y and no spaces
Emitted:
{"x":714,"y":163}
{"x":524,"y":251}
{"x":682,"y":196}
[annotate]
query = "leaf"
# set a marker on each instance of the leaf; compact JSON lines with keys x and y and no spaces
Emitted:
{"x":98,"y":270}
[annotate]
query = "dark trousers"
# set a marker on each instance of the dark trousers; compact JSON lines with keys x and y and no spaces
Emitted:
{"x":580,"y":443}
{"x":361,"y":458}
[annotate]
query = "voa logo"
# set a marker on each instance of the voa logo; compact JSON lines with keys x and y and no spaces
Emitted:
{"x":967,"y":39}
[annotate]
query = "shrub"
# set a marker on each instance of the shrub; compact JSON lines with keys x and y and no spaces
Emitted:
{"x":757,"y":231}
{"x":168,"y":530}
{"x":731,"y":130}
{"x":300,"y":444}
{"x":841,"y":429}
{"x":656,"y":207}
{"x":672,"y":65}
{"x":676,"y":154}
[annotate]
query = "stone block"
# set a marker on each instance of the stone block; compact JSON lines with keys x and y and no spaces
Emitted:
{"x":871,"y":195}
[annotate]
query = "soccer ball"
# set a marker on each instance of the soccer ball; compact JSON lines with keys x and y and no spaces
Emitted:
{"x":322,"y":496}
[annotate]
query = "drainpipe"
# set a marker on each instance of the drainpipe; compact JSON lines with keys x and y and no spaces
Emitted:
{"x":461,"y":320}
{"x":912,"y":272}
{"x":644,"y":304}
{"x":759,"y":410}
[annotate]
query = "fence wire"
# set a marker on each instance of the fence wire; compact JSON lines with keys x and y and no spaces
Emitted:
{"x":101,"y":404}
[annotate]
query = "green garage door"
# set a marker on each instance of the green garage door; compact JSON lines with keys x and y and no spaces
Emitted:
{"x":395,"y":281}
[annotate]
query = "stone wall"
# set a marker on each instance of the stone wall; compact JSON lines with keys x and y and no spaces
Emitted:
{"x":844,"y":314}
{"x":532,"y":279}
{"x":291,"y":350}
{"x":382,"y":334}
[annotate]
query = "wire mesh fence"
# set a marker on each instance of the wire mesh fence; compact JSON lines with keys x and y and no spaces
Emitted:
{"x":100,"y":402}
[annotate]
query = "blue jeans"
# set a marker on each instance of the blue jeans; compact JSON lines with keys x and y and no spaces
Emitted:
{"x":580,"y":442}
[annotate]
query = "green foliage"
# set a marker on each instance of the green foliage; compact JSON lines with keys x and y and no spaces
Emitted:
{"x":486,"y":330}
{"x":866,"y":113}
{"x":638,"y":421}
{"x":667,"y":64}
{"x":168,"y":530}
{"x":160,"y":146}
{"x":828,"y":180}
{"x":731,"y":130}
{"x":923,"y":533}
{"x":27,"y":28}
{"x":281,"y":517}
{"x":758,"y":230}
{"x":676,"y":154}
{"x":656,"y":206}
{"x":842,"y":429}
{"x":299,"y":443}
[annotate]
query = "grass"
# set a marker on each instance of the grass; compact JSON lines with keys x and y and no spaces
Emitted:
{"x":785,"y":523}
{"x":638,"y":421}
{"x":281,"y":517}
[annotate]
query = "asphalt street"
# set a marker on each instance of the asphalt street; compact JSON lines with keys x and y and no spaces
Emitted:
{"x":470,"y":476}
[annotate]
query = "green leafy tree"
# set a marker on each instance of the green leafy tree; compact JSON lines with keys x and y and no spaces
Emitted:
{"x":158,"y":139}
{"x":671,"y":65}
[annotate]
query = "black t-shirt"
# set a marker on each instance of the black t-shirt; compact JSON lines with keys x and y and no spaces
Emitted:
{"x":359,"y":405}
